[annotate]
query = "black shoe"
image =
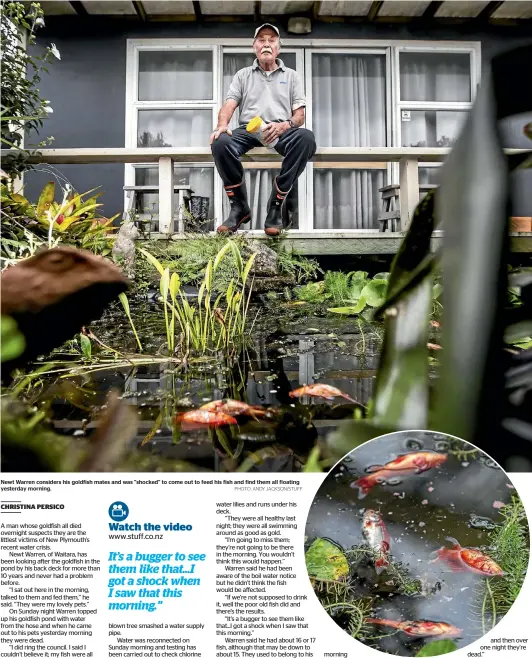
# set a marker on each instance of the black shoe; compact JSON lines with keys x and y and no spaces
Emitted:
{"x":274,"y":219}
{"x":240,"y":211}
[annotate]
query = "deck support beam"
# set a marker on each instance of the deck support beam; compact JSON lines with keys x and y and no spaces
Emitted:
{"x":166,"y":195}
{"x":409,"y":190}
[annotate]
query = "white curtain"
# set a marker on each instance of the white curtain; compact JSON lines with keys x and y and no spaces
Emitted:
{"x":349,"y":109}
{"x":173,"y":127}
{"x":439,"y":78}
{"x":175,"y":75}
{"x":435,"y":77}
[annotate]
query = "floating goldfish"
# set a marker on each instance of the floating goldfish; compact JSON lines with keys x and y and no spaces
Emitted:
{"x":434,"y":346}
{"x":467,"y":559}
{"x":434,"y":323}
{"x":367,"y":482}
{"x":419,"y":628}
{"x":377,"y":536}
{"x":320,"y":391}
{"x":233,"y":408}
{"x":201,"y":417}
{"x":412,"y":462}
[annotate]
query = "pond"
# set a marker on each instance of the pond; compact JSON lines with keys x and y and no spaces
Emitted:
{"x":287,"y":350}
{"x":463,"y":498}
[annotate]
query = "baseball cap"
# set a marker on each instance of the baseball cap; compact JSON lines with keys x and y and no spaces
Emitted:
{"x":263,"y":26}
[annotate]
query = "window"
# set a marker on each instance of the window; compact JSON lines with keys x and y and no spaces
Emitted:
{"x":373,"y":93}
{"x":175,"y":75}
{"x":435,"y":91}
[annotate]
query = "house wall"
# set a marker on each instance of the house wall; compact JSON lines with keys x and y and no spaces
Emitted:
{"x":87,"y":88}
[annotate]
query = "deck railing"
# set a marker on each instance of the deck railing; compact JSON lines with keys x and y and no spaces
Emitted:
{"x":408,"y":159}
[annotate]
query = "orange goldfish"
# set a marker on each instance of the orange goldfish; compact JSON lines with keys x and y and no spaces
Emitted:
{"x":320,"y":391}
{"x":377,"y":536}
{"x":233,"y":408}
{"x":201,"y":417}
{"x":419,"y":628}
{"x":467,"y":559}
{"x":412,"y":461}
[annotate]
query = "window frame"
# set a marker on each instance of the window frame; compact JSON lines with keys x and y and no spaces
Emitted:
{"x":471,"y":48}
{"x":304,"y":49}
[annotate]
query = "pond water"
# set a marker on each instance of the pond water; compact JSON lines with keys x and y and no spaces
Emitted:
{"x":287,"y":350}
{"x":461,"y":498}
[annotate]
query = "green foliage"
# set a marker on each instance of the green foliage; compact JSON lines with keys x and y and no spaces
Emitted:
{"x":313,"y":292}
{"x":27,"y":227}
{"x":125,"y":303}
{"x":206,"y":327}
{"x":298,"y":267}
{"x":189,"y":258}
{"x":326,"y":561}
{"x":86,"y":346}
{"x":354,"y":290}
{"x":437,"y":648}
{"x":22,"y":108}
{"x":509,"y":546}
{"x":12,"y":341}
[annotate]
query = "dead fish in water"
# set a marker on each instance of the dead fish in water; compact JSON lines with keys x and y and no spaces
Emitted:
{"x":234,"y":408}
{"x":412,"y":461}
{"x":320,"y":391}
{"x":419,"y":628}
{"x":377,"y":536}
{"x":201,"y":418}
{"x":467,"y":559}
{"x":367,"y":482}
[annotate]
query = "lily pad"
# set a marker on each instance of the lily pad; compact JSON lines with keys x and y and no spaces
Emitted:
{"x":350,"y":310}
{"x":375,"y":292}
{"x":437,"y":648}
{"x":326,"y":561}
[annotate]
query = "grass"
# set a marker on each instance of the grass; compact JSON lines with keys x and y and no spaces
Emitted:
{"x":509,"y":546}
{"x":189,"y":259}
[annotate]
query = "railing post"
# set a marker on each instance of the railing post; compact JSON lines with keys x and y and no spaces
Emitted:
{"x":166,"y":195}
{"x":409,"y":190}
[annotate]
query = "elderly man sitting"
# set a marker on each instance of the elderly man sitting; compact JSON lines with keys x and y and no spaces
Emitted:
{"x":274,"y":92}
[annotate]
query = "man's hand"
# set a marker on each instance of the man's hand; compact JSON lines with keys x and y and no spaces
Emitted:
{"x":274,"y":130}
{"x":219,"y":131}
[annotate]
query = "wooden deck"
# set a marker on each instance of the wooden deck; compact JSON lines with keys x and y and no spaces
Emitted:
{"x":351,"y":243}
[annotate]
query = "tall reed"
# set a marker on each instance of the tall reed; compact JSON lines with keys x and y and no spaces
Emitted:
{"x":211,"y":324}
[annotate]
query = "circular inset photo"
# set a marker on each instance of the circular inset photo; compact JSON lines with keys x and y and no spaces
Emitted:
{"x":417,"y":543}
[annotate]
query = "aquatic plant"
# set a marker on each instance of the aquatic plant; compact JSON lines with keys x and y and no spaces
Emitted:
{"x":125,"y":304}
{"x":189,"y":257}
{"x":437,"y":648}
{"x":509,"y":546}
{"x":399,"y":577}
{"x":206,"y":327}
{"x":290,"y":263}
